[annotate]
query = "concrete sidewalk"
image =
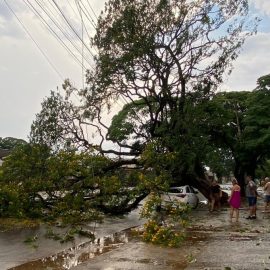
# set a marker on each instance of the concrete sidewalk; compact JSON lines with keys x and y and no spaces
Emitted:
{"x":214,"y":244}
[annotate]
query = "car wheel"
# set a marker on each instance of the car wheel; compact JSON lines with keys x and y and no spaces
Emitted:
{"x":196,"y":205}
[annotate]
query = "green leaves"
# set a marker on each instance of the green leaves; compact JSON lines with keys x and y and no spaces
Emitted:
{"x":264,"y":82}
{"x":238,"y":123}
{"x":10,"y":143}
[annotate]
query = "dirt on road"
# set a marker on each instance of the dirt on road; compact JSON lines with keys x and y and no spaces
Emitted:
{"x":214,"y":243}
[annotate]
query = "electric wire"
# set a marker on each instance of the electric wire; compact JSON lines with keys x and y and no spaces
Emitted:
{"x":92,"y":9}
{"x":85,"y":28}
{"x":53,"y":32}
{"x":72,"y":6}
{"x":82,"y":24}
{"x":36,"y":12}
{"x":87,"y":15}
{"x":35,"y":42}
{"x":80,"y":10}
{"x":66,"y":33}
{"x":72,"y":28}
{"x":62,"y":31}
{"x":59,"y":14}
{"x":59,"y":27}
{"x":122,"y":98}
{"x":56,"y":22}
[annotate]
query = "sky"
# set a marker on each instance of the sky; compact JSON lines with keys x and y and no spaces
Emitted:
{"x":33,"y":65}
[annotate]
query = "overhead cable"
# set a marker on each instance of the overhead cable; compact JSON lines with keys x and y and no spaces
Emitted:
{"x":92,"y":9}
{"x":67,"y":35}
{"x":82,"y":24}
{"x":73,"y":29}
{"x":87,"y":15}
{"x":35,"y":42}
{"x":51,"y":30}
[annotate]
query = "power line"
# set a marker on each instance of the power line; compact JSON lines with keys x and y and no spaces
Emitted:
{"x":92,"y":9}
{"x":51,"y":30}
{"x":90,"y":20}
{"x":35,"y":42}
{"x":87,"y":15}
{"x":70,"y":25}
{"x":54,"y":33}
{"x":58,"y":13}
{"x":85,"y":28}
{"x":79,"y":8}
{"x":57,"y":36}
{"x":82,"y":23}
{"x":62,"y":30}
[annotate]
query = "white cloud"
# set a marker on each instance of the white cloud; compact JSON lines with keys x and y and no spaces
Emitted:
{"x":252,"y":63}
{"x":26,"y":76}
{"x":9,"y":28}
{"x":262,"y":5}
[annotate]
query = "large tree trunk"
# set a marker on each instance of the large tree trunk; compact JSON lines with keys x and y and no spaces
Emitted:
{"x":242,"y":170}
{"x":203,"y":184}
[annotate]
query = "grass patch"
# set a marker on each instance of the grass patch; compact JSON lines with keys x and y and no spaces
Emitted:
{"x":8,"y":224}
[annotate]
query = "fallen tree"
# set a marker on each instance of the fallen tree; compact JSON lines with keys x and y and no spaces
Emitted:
{"x":163,"y":59}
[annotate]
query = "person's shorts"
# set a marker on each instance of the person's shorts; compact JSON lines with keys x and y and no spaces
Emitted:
{"x":267,"y":198}
{"x":252,"y":201}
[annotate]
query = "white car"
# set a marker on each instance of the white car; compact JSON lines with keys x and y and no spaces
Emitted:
{"x":185,"y":194}
{"x":226,"y":188}
{"x":260,"y":191}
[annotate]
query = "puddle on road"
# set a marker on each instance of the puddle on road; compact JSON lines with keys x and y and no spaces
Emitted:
{"x":76,"y":255}
{"x":196,"y":237}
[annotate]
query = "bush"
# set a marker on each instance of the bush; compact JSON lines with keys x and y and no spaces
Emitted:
{"x":162,"y":235}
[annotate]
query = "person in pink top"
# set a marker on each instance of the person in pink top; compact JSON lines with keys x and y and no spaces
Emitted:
{"x":235,"y":200}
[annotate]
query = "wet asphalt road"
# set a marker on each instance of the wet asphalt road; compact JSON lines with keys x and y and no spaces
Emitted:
{"x":213,"y":244}
{"x":15,"y":254}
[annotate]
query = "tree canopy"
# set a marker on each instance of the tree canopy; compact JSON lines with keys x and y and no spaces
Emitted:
{"x":158,"y":52}
{"x":238,"y":122}
{"x":164,"y":60}
{"x":10,"y":142}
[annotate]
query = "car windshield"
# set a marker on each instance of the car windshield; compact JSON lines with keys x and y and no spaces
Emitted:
{"x":176,"y":190}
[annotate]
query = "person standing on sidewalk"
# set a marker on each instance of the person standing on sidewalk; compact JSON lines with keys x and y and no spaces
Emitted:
{"x":215,"y":195}
{"x":251,"y":194}
{"x":235,"y":200}
{"x":266,"y":193}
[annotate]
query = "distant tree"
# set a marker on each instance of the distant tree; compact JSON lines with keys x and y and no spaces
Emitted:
{"x":23,"y":174}
{"x":239,"y":122}
{"x":263,"y":170}
{"x":10,"y":143}
{"x":220,"y":161}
